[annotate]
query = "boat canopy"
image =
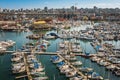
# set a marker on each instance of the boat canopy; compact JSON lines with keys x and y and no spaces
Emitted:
{"x":61,"y":63}
{"x":87,"y":53}
{"x":36,"y":65}
{"x":98,"y":47}
{"x":94,"y":74}
{"x":54,"y":57}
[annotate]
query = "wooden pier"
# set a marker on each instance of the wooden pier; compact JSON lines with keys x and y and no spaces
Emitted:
{"x":27,"y":67}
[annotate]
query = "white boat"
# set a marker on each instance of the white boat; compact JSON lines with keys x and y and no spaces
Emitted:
{"x":63,"y":70}
{"x":64,"y":67}
{"x":103,"y":63}
{"x":18,"y":64}
{"x":16,"y":59}
{"x":71,"y":73}
{"x":77,"y":63}
{"x":2,"y":49}
{"x":115,"y":61}
{"x":76,"y":78}
{"x":57,"y":61}
{"x":10,"y":42}
{"x":37,"y":73}
{"x":46,"y":42}
{"x":41,"y":78}
{"x":85,"y":69}
{"x":95,"y":59}
{"x":39,"y":69}
{"x":110,"y":67}
{"x":72,"y":59}
{"x":4,"y":44}
{"x":76,"y":50}
{"x":61,"y":45}
{"x":18,"y":69}
{"x":95,"y":76}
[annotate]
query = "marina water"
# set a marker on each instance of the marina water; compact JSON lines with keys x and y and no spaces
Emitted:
{"x":50,"y":69}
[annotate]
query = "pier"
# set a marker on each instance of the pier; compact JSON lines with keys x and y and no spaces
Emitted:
{"x":27,"y":67}
{"x":49,"y":53}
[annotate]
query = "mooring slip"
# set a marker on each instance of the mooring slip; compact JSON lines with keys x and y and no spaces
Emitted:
{"x":80,"y":73}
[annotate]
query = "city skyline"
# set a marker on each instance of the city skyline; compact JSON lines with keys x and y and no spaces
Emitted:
{"x":30,"y":4}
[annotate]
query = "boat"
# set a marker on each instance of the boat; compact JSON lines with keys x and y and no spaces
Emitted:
{"x":43,"y":47}
{"x":94,"y":76}
{"x":95,"y":59}
{"x":16,"y":59}
{"x":115,"y":61}
{"x":46,"y":42}
{"x":18,"y":69}
{"x":71,"y":73}
{"x":64,"y":67}
{"x":2,"y":49}
{"x":71,"y":57}
{"x":85,"y":69}
{"x":103,"y":63}
{"x":34,"y":36}
{"x":56,"y":59}
{"x":65,"y":70}
{"x":76,"y":78}
{"x":37,"y":73}
{"x":10,"y":42}
{"x":50,"y":36}
{"x":117,"y":73}
{"x":76,"y":49}
{"x":41,"y":78}
{"x":110,"y":67}
{"x":38,"y":67}
{"x":60,"y":64}
{"x":61,"y":45}
{"x":77,"y":63}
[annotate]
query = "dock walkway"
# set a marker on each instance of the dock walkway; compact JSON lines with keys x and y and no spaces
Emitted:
{"x":27,"y":67}
{"x":48,"y":53}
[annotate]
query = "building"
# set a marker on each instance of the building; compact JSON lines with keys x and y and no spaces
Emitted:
{"x":1,"y":10}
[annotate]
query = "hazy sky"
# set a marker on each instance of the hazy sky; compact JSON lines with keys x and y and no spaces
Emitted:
{"x":15,"y":4}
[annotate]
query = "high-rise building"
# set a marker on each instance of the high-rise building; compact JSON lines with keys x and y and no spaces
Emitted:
{"x":1,"y":10}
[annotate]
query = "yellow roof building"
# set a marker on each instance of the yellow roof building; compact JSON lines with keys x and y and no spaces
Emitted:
{"x":40,"y":22}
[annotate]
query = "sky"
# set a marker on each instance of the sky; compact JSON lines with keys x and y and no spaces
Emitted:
{"x":30,"y":4}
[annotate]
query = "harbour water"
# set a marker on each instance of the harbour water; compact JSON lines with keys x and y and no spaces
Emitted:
{"x":50,"y":69}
